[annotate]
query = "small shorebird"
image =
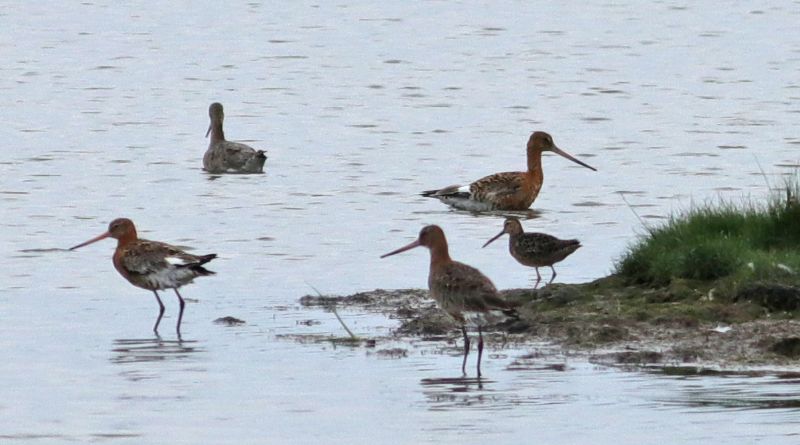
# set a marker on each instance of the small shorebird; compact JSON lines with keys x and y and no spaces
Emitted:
{"x":152,"y":265}
{"x":229,"y":157}
{"x":505,"y":191}
{"x":460,"y":290}
{"x":535,"y":249}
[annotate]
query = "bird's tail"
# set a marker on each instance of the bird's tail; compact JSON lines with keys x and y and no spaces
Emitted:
{"x":449,"y":190}
{"x":198,"y":266}
{"x":203,"y":259}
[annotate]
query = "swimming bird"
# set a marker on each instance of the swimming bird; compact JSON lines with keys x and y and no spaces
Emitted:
{"x":505,"y":191}
{"x":460,"y":290}
{"x":229,"y":157}
{"x":152,"y":265}
{"x":535,"y":249}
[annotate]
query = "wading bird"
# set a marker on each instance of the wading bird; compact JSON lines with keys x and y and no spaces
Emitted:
{"x":152,"y":265}
{"x":535,"y":249}
{"x":462,"y":291}
{"x":505,"y":191}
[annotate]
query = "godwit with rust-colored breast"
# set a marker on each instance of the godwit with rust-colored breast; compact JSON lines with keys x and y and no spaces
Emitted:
{"x":460,"y":290}
{"x":535,"y":249}
{"x":229,"y":157}
{"x":505,"y":191}
{"x":152,"y":265}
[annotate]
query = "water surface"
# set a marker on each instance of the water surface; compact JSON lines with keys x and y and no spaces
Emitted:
{"x":360,"y":106}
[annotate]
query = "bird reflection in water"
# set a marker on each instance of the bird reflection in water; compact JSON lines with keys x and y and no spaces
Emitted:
{"x":153,"y":349}
{"x":453,"y":392}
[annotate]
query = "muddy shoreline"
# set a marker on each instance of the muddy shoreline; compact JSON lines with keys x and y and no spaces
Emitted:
{"x":680,"y":326}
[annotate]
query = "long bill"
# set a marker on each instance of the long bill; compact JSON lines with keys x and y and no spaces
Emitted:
{"x":95,"y":239}
{"x":494,"y":238}
{"x":571,"y":158}
{"x":403,"y":249}
{"x":209,"y":130}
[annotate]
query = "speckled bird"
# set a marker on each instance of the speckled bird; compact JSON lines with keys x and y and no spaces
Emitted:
{"x":462,"y":291}
{"x":229,"y":157}
{"x":508,"y":190}
{"x":152,"y":265}
{"x":535,"y":249}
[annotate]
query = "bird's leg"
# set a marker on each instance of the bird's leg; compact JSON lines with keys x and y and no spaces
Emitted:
{"x":180,"y":314}
{"x":538,"y":278}
{"x":554,"y":274}
{"x":480,"y":350}
{"x":160,"y":312}
{"x":466,"y":349}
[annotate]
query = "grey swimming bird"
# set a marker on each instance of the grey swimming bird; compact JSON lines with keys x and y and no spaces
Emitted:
{"x":229,"y":157}
{"x":535,"y":249}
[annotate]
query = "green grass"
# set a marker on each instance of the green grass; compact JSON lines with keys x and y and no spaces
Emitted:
{"x":731,"y":243}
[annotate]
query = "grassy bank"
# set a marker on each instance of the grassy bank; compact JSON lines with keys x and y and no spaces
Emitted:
{"x":714,"y":265}
{"x":734,"y":246}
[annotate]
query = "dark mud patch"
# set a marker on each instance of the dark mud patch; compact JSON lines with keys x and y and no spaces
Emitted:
{"x":352,"y":342}
{"x":787,"y":347}
{"x":774,"y":297}
{"x":229,"y":321}
{"x":613,"y":323}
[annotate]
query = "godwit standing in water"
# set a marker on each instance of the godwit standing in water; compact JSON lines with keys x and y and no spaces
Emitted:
{"x":460,"y":290}
{"x":504,"y":191}
{"x":535,"y":249}
{"x":152,"y":265}
{"x":229,"y":157}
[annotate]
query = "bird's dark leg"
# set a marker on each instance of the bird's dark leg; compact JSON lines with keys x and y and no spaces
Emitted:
{"x":538,"y":278}
{"x":480,"y":350}
{"x":554,"y":274}
{"x":160,"y":312}
{"x":180,"y":314}
{"x":466,"y":350}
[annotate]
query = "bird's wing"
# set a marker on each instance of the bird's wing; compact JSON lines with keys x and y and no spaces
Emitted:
{"x":146,"y":256}
{"x":497,"y":187}
{"x":473,"y":287}
{"x":236,"y":154}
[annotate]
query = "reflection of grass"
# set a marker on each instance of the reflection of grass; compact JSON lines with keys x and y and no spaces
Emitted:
{"x":736,"y":244}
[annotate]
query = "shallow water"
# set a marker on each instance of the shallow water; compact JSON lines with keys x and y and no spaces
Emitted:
{"x":361,"y":105}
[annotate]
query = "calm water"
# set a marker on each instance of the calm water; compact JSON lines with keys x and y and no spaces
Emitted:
{"x":360,"y":106}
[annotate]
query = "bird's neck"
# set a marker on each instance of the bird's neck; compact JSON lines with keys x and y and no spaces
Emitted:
{"x":534,"y":161}
{"x":439,"y":254}
{"x":126,"y":239}
{"x":217,"y":135}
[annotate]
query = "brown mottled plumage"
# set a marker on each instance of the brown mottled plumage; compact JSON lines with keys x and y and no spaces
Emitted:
{"x":535,"y":249}
{"x":460,"y":290}
{"x":152,"y":265}
{"x":229,"y":157}
{"x":505,"y":191}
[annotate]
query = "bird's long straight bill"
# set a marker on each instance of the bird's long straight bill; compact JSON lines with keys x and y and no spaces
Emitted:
{"x":97,"y":238}
{"x":494,"y":238}
{"x":402,"y":249}
{"x":209,"y":131}
{"x":571,"y":158}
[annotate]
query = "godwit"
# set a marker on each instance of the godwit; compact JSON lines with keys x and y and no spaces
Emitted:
{"x":460,"y":290}
{"x":535,"y":249}
{"x":152,"y":265}
{"x":229,"y":157}
{"x":504,"y":191}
